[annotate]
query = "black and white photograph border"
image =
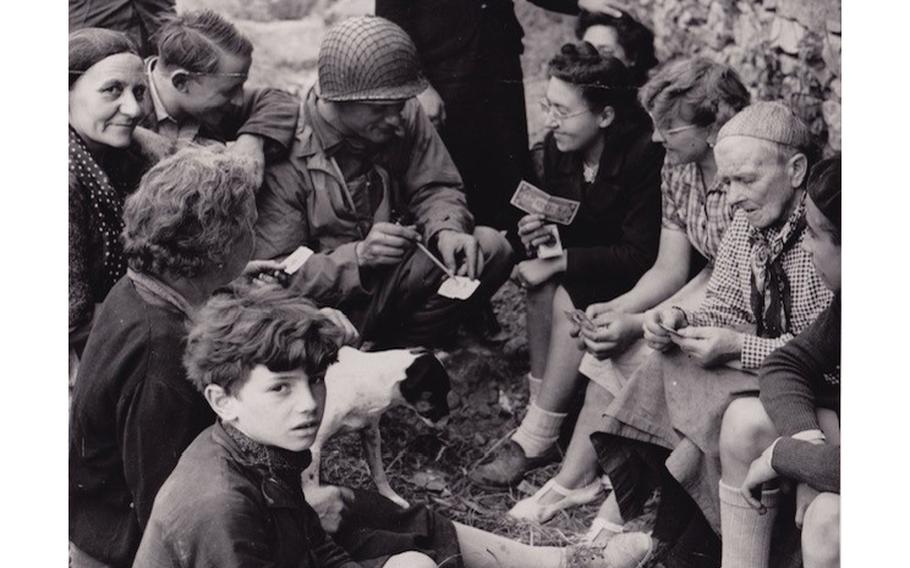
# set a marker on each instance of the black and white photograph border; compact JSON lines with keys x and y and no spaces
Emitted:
{"x":783,"y":50}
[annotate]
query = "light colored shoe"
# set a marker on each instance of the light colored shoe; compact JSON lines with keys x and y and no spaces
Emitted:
{"x":531,"y":509}
{"x":628,"y":550}
{"x":600,"y":532}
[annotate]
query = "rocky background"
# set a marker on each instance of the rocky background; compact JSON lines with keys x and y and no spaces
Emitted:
{"x":783,"y":49}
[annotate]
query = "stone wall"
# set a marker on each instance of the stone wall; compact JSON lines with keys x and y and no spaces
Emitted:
{"x":783,"y":49}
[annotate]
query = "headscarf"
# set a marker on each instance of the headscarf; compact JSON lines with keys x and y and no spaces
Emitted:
{"x":87,"y":47}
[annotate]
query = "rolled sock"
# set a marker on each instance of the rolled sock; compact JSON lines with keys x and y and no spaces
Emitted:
{"x":538,"y":431}
{"x":746,"y":533}
{"x":533,"y":387}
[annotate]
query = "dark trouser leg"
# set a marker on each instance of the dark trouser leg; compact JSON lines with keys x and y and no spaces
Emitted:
{"x":374,"y":527}
{"x":635,"y":468}
{"x":632,"y":477}
{"x":486,"y":133}
{"x":405,"y":309}
{"x":680,"y":522}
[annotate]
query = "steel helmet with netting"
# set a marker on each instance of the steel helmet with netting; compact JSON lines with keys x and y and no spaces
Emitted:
{"x":368,"y":58}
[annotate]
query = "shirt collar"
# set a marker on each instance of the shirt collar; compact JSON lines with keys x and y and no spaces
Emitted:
{"x":161,"y":113}
{"x":328,"y":136}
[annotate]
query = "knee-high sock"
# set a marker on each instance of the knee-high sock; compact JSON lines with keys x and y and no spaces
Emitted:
{"x":746,"y":534}
{"x":538,"y":431}
{"x":533,"y":387}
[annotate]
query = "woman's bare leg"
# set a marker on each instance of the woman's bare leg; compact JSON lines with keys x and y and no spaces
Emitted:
{"x":579,"y":467}
{"x":561,"y":378}
{"x":539,"y":316}
{"x":482,"y":549}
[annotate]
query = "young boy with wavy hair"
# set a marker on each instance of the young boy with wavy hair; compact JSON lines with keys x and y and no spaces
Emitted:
{"x":258,"y":354}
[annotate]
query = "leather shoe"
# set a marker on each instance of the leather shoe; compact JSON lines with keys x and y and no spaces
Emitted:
{"x":508,"y":466}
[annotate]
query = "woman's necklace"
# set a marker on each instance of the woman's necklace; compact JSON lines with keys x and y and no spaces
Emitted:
{"x":589,"y":172}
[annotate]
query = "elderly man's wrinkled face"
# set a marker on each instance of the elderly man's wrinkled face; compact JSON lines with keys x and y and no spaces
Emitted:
{"x":108,"y":100}
{"x":377,"y":123}
{"x":760,"y":181}
{"x":824,"y":246}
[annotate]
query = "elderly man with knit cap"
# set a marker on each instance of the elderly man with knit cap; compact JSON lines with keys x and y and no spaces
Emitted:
{"x":793,"y":430}
{"x":763,"y":291}
{"x":367,"y":180}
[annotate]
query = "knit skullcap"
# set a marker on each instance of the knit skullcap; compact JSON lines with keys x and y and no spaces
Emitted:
{"x":771,"y":121}
{"x":368,"y":58}
{"x":824,"y":189}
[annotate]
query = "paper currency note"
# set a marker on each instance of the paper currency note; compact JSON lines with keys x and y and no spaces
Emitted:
{"x":534,"y":200}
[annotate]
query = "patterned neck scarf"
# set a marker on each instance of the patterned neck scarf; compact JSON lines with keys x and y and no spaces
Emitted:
{"x":283,"y":464}
{"x":770,"y":298}
{"x":105,"y":203}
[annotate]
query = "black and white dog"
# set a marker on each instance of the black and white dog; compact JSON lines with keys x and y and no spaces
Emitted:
{"x":361,"y":386}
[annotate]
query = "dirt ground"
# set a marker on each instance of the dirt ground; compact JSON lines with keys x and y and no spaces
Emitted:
{"x":424,"y":465}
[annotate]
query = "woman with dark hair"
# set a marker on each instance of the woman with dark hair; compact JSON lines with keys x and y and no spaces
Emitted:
{"x":188,"y":231}
{"x":694,"y":216}
{"x":598,"y":152}
{"x":619,"y":34}
{"x":107,"y":99}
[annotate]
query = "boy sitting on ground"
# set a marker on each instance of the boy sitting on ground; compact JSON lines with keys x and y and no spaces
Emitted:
{"x":259,"y":356}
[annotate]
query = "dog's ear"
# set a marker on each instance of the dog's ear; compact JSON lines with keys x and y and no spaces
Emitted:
{"x":426,"y":386}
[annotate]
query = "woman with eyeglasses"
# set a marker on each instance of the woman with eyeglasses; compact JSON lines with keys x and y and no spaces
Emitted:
{"x":598,"y":152}
{"x":107,"y":99}
{"x":689,"y":100}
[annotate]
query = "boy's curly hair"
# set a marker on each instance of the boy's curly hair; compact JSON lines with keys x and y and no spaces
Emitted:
{"x":246,"y":324}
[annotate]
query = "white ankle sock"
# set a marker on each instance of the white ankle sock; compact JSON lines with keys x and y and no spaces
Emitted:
{"x":533,"y":387}
{"x":538,"y":431}
{"x":746,"y":533}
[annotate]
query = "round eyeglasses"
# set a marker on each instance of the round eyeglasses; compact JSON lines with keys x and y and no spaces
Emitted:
{"x":678,"y":129}
{"x":558,"y":115}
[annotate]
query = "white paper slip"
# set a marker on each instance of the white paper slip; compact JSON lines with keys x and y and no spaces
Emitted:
{"x":297,"y":259}
{"x":553,"y":247}
{"x":458,"y":288}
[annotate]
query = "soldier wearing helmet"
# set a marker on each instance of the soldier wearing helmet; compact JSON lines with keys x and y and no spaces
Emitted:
{"x":367,"y":179}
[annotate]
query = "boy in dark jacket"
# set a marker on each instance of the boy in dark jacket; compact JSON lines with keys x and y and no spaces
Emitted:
{"x":259,"y":355}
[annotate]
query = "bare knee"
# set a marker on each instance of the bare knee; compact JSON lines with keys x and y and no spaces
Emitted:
{"x":540,"y":298}
{"x":410,"y":559}
{"x":746,"y":431}
{"x":821,"y":532}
